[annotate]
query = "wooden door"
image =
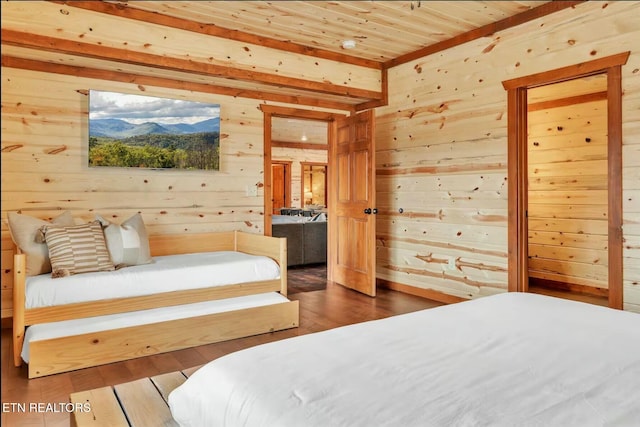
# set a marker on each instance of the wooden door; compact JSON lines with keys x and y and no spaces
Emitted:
{"x":352,"y":220}
{"x":280,"y":183}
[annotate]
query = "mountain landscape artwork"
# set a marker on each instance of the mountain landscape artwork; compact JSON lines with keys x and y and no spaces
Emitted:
{"x":150,"y":132}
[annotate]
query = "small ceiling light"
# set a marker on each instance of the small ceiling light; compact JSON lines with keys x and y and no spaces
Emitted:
{"x":348,"y":44}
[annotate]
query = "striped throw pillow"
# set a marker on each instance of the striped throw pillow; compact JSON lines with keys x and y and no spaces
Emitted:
{"x":77,"y":249}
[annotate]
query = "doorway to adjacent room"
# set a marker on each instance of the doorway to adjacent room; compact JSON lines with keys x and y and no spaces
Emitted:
{"x":519,"y":91}
{"x":297,"y":144}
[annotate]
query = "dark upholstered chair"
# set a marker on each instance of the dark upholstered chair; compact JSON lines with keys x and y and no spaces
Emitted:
{"x":294,"y":233}
{"x":315,"y":242}
{"x":306,"y":241}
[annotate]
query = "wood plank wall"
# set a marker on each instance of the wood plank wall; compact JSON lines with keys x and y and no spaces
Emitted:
{"x":45,"y":169}
{"x":568,"y":229}
{"x":442,"y":150}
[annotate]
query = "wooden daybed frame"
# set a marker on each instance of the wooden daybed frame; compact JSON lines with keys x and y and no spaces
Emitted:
{"x":81,"y":351}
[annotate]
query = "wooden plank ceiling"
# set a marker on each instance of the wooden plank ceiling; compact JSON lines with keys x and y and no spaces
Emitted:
{"x":387,"y":33}
{"x":383,"y":30}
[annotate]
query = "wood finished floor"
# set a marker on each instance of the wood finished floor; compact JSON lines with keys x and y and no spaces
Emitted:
{"x":329,"y":307}
{"x":306,"y":278}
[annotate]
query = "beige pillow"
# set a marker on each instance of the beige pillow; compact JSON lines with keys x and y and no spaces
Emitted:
{"x":77,"y":249}
{"x":24,"y":231}
{"x":128,"y":243}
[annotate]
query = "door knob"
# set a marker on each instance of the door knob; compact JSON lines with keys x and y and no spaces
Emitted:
{"x":367,"y":211}
{"x":375,"y":211}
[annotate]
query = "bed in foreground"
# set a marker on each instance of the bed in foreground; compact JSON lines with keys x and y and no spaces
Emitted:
{"x":512,"y":359}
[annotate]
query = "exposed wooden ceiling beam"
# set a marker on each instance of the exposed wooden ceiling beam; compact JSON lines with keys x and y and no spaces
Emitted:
{"x":123,"y":10}
{"x":354,"y":99}
{"x":142,"y":80}
{"x":87,"y":50}
{"x":484,"y":31}
{"x":384,"y":84}
{"x":279,"y":111}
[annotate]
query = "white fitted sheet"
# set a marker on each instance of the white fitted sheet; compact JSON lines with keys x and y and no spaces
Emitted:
{"x":143,"y":317}
{"x":513,"y":359}
{"x":165,"y":274}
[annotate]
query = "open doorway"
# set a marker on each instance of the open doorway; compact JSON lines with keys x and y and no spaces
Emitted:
{"x":567,"y":179}
{"x":518,"y":167}
{"x":299,"y":139}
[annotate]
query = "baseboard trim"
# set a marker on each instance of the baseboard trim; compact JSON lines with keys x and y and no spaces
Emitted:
{"x":420,"y":292}
{"x":568,"y":287}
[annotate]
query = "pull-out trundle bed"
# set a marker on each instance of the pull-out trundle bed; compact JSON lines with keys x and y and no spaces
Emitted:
{"x":200,"y":289}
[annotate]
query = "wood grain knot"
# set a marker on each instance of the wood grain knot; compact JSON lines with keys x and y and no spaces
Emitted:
{"x":56,"y":150}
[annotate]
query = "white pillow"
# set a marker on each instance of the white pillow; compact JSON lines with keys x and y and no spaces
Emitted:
{"x":128,"y":243}
{"x":25,"y":232}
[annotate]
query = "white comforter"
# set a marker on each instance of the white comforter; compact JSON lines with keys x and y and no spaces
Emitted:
{"x":513,"y":359}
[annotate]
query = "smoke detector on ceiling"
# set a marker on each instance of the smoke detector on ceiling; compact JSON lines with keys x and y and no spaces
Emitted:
{"x":349,"y":44}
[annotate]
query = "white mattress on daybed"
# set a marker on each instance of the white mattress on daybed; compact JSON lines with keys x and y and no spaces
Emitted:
{"x":513,"y":359}
{"x":143,"y":317}
{"x":165,"y":274}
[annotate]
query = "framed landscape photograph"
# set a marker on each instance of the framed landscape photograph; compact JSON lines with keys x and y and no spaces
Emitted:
{"x":150,"y":132}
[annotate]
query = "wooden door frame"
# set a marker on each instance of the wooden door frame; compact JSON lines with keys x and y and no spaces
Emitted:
{"x":270,"y":111}
{"x":518,"y":175}
{"x":288,"y":165}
